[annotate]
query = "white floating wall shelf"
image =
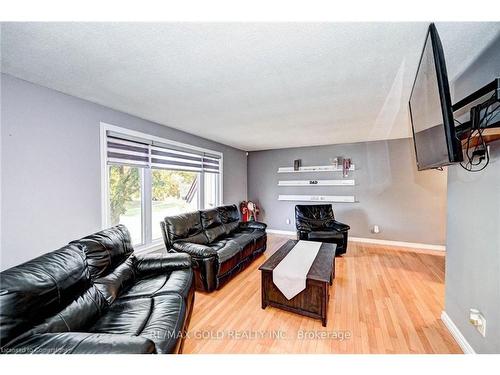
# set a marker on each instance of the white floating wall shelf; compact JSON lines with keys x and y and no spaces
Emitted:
{"x":318,"y":198}
{"x":316,"y":183}
{"x":318,"y":168}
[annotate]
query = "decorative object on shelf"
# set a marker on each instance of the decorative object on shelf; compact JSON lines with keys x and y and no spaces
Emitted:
{"x":296,"y":164}
{"x":317,"y":168}
{"x":316,"y":183}
{"x":335,"y":162}
{"x":318,"y":198}
{"x":249,"y":211}
{"x":346,"y":167}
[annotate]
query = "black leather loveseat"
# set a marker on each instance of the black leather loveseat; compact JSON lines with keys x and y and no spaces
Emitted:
{"x":219,"y":244}
{"x":96,"y":296}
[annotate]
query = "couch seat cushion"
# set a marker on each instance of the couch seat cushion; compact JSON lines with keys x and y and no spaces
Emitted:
{"x":226,"y":249}
{"x":326,"y":236}
{"x":159,"y":319}
{"x":178,"y":281}
{"x":243,"y":238}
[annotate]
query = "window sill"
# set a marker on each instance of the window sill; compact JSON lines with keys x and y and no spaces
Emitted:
{"x":144,"y":249}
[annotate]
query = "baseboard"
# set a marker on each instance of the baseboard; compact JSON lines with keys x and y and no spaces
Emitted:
{"x":283,"y":232}
{"x":413,"y":245}
{"x":457,"y":335}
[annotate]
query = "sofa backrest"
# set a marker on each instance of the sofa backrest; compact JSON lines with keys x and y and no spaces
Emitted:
{"x":111,"y":261}
{"x":38,"y":289}
{"x":184,"y":227}
{"x":67,"y":289}
{"x":313,"y":216}
{"x":201,"y":227}
{"x":212,"y":224}
{"x":230,"y":217}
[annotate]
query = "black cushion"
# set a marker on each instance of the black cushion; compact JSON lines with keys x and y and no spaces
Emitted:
{"x":212,"y":224}
{"x":106,"y":249}
{"x":158,"y":319}
{"x":38,"y":289}
{"x":319,"y":235}
{"x":185,"y":226}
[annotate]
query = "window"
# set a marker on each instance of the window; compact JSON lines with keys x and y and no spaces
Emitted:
{"x":174,"y":192}
{"x":146,"y":178}
{"x":125,"y":199}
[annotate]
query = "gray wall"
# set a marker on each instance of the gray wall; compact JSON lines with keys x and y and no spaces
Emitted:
{"x":406,"y":204}
{"x":473,"y":241}
{"x":51,"y":167}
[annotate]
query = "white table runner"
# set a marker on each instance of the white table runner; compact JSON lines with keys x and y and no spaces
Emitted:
{"x":291,"y":273}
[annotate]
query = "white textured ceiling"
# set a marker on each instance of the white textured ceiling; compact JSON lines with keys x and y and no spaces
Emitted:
{"x":253,"y":86}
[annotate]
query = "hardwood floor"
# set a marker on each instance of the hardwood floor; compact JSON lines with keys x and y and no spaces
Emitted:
{"x":387,"y":300}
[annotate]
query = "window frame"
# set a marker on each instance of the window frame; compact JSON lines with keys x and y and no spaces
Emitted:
{"x":148,"y":243}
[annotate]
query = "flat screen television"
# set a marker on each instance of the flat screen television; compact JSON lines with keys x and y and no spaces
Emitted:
{"x":431,"y":114}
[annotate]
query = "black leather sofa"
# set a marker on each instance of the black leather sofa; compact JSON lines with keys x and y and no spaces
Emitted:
{"x":219,"y":244}
{"x":95,"y":295}
{"x":316,"y":222}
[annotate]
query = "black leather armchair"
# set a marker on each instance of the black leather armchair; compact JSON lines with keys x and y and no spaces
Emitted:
{"x":317,"y":223}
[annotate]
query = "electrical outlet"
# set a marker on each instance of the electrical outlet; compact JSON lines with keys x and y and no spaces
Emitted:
{"x":478,"y":321}
{"x":288,"y":221}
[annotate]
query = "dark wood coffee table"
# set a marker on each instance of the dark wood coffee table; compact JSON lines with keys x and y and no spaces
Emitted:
{"x":312,"y":301}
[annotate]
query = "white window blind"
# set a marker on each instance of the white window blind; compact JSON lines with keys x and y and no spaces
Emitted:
{"x":127,"y":150}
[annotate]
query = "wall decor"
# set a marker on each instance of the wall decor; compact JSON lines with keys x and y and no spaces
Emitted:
{"x":318,"y":168}
{"x":346,"y":165}
{"x":296,"y":164}
{"x":318,"y":198}
{"x":316,"y":183}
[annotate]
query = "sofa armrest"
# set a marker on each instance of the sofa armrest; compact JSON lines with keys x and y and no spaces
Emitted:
{"x":161,"y":262}
{"x":252,"y":225}
{"x":338,"y":226}
{"x":194,"y":249}
{"x":82,"y":343}
{"x":302,"y":235}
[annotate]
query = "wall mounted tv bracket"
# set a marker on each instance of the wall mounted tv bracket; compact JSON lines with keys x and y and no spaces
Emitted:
{"x":475,"y":120}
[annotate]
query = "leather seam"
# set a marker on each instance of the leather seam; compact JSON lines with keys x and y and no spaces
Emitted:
{"x":151,"y":307}
{"x":56,"y":285}
{"x":64,"y":321}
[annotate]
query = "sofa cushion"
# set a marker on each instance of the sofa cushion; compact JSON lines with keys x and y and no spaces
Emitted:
{"x":325,"y":235}
{"x":38,"y":289}
{"x":80,"y":314}
{"x":243,"y":239}
{"x":166,"y":322}
{"x":228,"y":254}
{"x":178,"y":281}
{"x":159,"y":319}
{"x":230,"y":217}
{"x":185,"y":227}
{"x":228,"y":213}
{"x":106,"y":249}
{"x":313,"y":217}
{"x":117,"y":281}
{"x":212,"y":224}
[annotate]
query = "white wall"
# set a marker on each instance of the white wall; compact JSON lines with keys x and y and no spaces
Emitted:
{"x":51,"y":170}
{"x":473,"y":240}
